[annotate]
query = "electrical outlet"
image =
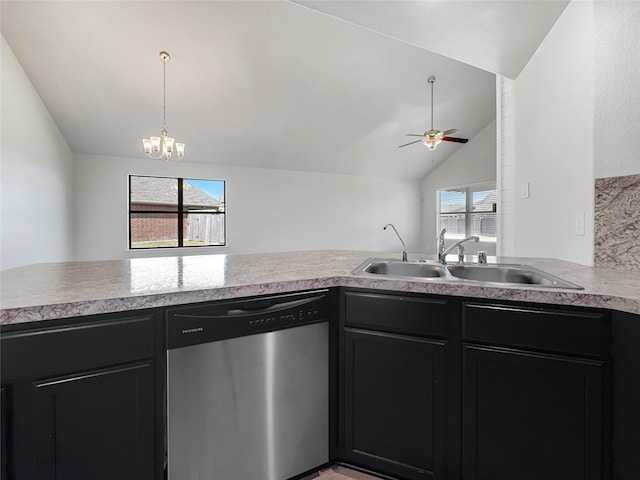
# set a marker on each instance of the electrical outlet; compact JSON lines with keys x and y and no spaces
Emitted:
{"x":580,"y":224}
{"x":524,"y":190}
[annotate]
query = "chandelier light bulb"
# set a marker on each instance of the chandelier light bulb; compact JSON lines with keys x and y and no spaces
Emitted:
{"x":155,"y":144}
{"x":168,"y":144}
{"x":180,"y":149}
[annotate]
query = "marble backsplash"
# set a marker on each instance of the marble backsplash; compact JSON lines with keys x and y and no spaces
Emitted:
{"x":617,"y":222}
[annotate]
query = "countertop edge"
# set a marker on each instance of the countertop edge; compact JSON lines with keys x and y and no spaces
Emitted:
{"x":30,"y":314}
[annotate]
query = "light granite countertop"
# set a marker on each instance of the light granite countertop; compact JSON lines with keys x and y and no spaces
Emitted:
{"x":62,"y":290}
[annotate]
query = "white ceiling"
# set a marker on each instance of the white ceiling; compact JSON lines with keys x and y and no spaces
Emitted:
{"x":266,"y":83}
{"x":497,"y":35}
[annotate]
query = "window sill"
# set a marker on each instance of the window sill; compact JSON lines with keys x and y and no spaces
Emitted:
{"x":174,"y":251}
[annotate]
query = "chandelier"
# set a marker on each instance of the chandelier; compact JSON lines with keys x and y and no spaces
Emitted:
{"x":152,"y":144}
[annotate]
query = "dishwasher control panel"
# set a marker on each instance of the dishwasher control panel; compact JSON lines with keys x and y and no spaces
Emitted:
{"x":302,"y":315}
{"x":214,"y":321}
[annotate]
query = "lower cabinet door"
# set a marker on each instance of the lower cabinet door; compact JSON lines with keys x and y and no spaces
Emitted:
{"x":530,"y":416}
{"x":394,"y":404}
{"x":96,"y":426}
{"x":3,"y":433}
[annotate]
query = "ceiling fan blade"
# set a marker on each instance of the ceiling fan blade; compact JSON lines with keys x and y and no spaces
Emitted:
{"x":410,"y":143}
{"x":455,"y":139}
{"x":414,"y":135}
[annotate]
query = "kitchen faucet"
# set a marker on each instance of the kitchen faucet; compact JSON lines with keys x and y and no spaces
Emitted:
{"x":441,"y":244}
{"x":443,"y":252}
{"x":404,"y":249}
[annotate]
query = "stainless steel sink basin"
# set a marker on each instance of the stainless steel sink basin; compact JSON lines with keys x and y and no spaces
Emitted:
{"x":397,"y":268}
{"x":514,"y":274}
{"x":506,"y":274}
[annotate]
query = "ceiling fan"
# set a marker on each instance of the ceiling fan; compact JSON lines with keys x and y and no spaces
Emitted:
{"x":432,"y":138}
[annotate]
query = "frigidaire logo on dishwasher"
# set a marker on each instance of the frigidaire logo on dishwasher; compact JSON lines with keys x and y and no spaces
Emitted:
{"x":193,"y":330}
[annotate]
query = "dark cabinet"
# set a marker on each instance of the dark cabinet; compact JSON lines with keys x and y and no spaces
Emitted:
{"x":394,"y":385}
{"x":97,"y":425}
{"x":533,"y":393}
{"x":3,"y":432}
{"x":530,"y":416}
{"x":394,"y":398}
{"x":625,"y":352}
{"x":442,"y":388}
{"x":82,"y":399}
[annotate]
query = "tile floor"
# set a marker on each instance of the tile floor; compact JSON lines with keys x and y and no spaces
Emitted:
{"x":339,"y":473}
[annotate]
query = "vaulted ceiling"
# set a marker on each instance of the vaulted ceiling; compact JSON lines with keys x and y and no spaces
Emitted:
{"x":316,"y":86}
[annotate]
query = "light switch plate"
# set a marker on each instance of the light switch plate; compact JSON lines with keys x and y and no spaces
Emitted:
{"x":580,"y":224}
{"x":524,"y":190}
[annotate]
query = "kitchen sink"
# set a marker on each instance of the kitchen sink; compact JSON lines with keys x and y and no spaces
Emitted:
{"x":506,"y":274}
{"x":502,"y":273}
{"x":396,"y":268}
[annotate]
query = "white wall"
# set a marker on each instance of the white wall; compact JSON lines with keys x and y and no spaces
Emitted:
{"x":267,"y":210}
{"x":617,"y":92}
{"x":554,"y":141}
{"x":36,"y":175}
{"x":475,"y":162}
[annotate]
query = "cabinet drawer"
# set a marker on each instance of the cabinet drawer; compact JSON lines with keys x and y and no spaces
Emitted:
{"x":79,"y":346}
{"x":578,"y":333}
{"x":396,"y":313}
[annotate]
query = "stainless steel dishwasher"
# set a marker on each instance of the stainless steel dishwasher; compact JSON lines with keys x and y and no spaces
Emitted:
{"x":247,"y":388}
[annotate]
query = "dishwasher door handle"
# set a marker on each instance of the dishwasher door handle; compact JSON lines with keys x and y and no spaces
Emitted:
{"x":248,"y":309}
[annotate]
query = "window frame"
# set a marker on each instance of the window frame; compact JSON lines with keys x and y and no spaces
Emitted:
{"x":468,"y":189}
{"x":178,"y":213}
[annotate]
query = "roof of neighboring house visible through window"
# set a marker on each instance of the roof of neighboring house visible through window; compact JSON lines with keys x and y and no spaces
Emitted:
{"x":164,"y":191}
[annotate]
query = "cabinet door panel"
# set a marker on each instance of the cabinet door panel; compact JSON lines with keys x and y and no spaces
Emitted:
{"x":96,"y":426}
{"x":530,"y":416}
{"x":3,"y":432}
{"x":394,"y":404}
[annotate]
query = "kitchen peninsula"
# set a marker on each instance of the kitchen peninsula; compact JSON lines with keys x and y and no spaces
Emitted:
{"x":84,"y":349}
{"x":71,"y":289}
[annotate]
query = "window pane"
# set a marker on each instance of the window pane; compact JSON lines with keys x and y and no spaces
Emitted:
{"x":204,"y":203}
{"x":154,"y":230}
{"x":484,"y":225}
{"x":453,"y":201}
{"x":484,"y":201}
{"x":454,"y":223}
{"x":203,"y":194}
{"x":158,"y":192}
{"x":204,"y":229}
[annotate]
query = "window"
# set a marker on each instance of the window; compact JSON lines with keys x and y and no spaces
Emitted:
{"x":468,"y":210}
{"x":154,"y":218}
